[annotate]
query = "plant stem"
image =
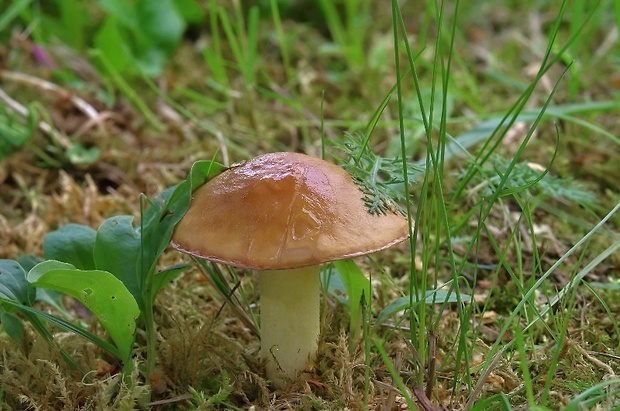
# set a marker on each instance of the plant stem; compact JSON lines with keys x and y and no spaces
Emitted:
{"x":149,"y":328}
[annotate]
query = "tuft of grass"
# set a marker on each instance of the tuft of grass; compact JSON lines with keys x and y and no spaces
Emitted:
{"x":348,"y":29}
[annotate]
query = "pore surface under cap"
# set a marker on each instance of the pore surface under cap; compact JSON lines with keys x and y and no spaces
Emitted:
{"x":283,"y":210}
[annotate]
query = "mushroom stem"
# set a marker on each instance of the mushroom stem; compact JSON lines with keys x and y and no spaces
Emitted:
{"x":290,"y":308}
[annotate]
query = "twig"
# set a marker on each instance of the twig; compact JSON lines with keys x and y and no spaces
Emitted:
{"x":604,"y":354}
{"x":179,"y":398}
{"x":223,"y":147}
{"x":424,"y":401}
{"x":94,"y":117}
{"x":595,"y":361}
{"x":398,"y":363}
{"x":78,"y":102}
{"x":478,"y":388}
{"x":608,"y":42}
{"x":97,"y":121}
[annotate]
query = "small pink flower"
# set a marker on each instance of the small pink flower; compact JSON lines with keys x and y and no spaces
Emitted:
{"x":43,"y":57}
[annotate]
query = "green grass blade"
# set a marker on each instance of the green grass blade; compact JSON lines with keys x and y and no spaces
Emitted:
{"x":63,"y":324}
{"x":11,"y":12}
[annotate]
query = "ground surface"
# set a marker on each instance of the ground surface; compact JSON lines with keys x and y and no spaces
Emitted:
{"x":98,"y":138}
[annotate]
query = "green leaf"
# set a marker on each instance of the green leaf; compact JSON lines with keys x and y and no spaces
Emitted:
{"x":16,"y":293}
{"x":524,"y":177}
{"x":380,"y":179}
{"x":160,"y":23}
{"x":431,"y":297}
{"x":27,"y":261}
{"x":613,"y":285}
{"x":13,"y":134}
{"x":347,"y":283}
{"x":73,"y":244}
{"x":159,"y":220}
{"x":152,"y":60}
{"x":131,"y":254}
{"x":78,"y":154}
{"x":54,"y":299}
{"x":124,"y":11}
{"x":110,"y":41}
{"x":11,"y":12}
{"x":12,"y":325}
{"x":117,"y":250}
{"x":357,"y":286}
{"x":334,"y":284}
{"x":13,"y":284}
{"x":498,"y":401}
{"x":190,"y":11}
{"x":34,"y":317}
{"x":140,"y":34}
{"x":100,"y":291}
{"x":165,"y":276}
{"x":595,"y":395}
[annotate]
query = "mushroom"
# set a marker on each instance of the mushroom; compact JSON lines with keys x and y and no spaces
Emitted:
{"x":284,"y":214}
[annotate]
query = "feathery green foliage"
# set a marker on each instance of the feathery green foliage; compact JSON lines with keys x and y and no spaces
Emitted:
{"x":380,"y":179}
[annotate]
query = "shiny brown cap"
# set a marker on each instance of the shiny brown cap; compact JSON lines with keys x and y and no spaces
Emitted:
{"x":283,"y":210}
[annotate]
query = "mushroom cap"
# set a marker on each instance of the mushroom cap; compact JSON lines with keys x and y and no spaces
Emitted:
{"x":281,"y":211}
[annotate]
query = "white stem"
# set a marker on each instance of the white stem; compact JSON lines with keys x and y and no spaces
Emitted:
{"x":290,"y":316}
